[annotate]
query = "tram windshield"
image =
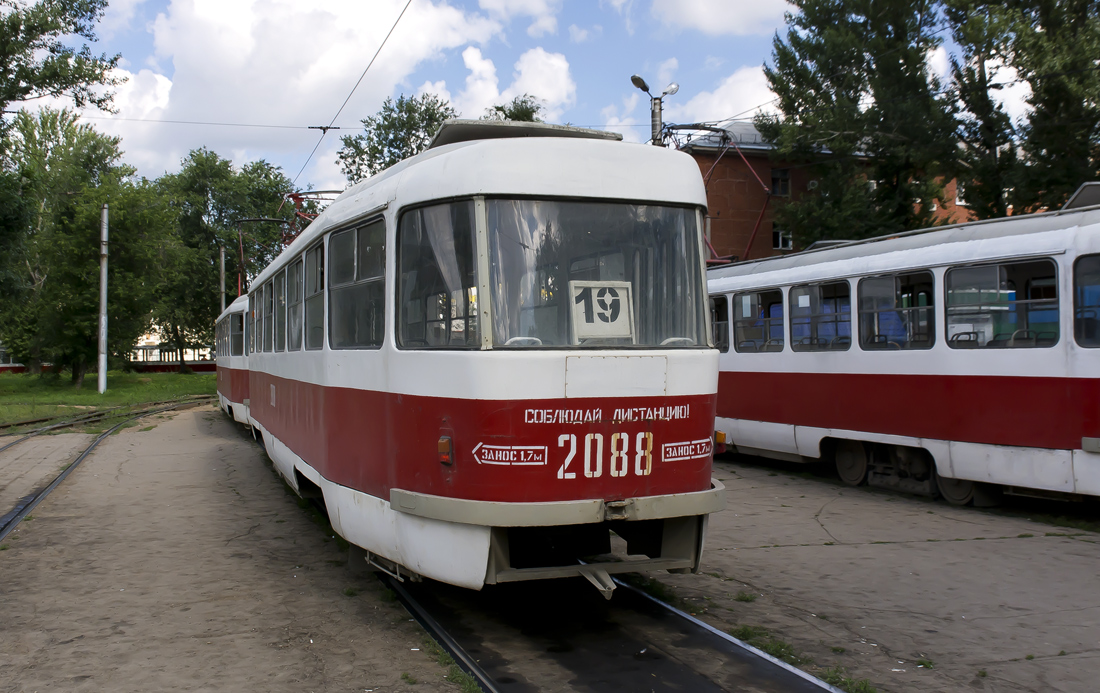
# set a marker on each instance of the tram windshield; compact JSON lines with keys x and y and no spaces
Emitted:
{"x":594,"y":274}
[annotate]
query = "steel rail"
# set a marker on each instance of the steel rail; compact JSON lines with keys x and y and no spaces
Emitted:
{"x":12,"y":519}
{"x":88,"y":417}
{"x":440,"y":635}
{"x":729,"y":638}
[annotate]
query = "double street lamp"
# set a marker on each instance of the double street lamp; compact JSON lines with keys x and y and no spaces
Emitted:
{"x":655,"y":117}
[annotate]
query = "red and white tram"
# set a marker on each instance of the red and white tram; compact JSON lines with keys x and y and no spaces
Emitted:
{"x":951,"y":360}
{"x":491,"y":356}
{"x":232,"y":360}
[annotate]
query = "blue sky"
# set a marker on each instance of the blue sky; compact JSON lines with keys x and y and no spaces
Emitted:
{"x":292,"y":63}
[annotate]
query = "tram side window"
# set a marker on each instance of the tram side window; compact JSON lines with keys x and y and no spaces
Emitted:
{"x":1086,"y":301}
{"x":437,"y":291}
{"x":269,"y":311}
{"x":897,"y":311}
{"x":294,"y":306}
{"x":720,"y":319}
{"x":252,"y":323}
{"x":315,"y":297}
{"x":280,"y":311}
{"x":1011,"y":306}
{"x":758,"y":321}
{"x":357,"y":287}
{"x":236,"y":334}
{"x":821,"y":317}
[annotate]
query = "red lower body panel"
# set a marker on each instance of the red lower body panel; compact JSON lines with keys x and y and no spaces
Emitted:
{"x":1027,"y":412}
{"x":233,"y":384}
{"x":504,"y":450}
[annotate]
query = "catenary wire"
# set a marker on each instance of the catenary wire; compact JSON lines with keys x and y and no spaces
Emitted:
{"x":352,"y":92}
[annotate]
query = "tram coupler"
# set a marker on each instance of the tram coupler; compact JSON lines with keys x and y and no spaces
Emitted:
{"x":599,"y":577}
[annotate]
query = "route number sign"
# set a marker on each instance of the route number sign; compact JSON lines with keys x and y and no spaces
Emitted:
{"x":602,"y":310}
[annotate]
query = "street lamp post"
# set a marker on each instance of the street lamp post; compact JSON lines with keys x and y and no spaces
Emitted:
{"x":656,"y":122}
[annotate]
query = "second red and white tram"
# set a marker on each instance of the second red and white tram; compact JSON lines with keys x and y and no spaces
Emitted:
{"x":953,"y":360}
{"x":492,"y":356}
{"x":232,"y":360}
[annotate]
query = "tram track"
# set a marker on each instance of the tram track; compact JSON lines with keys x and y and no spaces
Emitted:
{"x":26,"y":503}
{"x":560,"y":635}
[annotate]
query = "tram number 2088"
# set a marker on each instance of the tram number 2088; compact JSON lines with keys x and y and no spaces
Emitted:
{"x":619,"y":461}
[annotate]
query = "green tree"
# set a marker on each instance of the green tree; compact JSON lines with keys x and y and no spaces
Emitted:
{"x":67,"y":173}
{"x":209,"y":197}
{"x":1055,"y":49}
{"x":525,"y":108}
{"x":988,"y":161}
{"x":860,"y":109}
{"x":37,"y":57}
{"x":403,"y":128}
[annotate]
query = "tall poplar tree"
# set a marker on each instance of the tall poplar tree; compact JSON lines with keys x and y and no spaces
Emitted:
{"x":860,"y":107}
{"x":988,"y":160}
{"x":1056,"y":48}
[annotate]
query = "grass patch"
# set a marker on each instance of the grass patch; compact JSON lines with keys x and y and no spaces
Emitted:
{"x":982,"y":673}
{"x":148,"y":428}
{"x":350,"y":592}
{"x":466,"y":683}
{"x":839,"y":650}
{"x":925,"y":663}
{"x":408,"y":678}
{"x":24,"y":396}
{"x":1024,"y":536}
{"x":745,"y":597}
{"x":760,"y":638}
{"x":3,"y":547}
{"x":1029,"y":657}
{"x":658,"y":589}
{"x":838,"y":677}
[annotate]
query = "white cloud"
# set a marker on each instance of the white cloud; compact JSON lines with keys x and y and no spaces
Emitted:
{"x":666,"y":71}
{"x":538,"y":73}
{"x":116,"y":18}
{"x":621,"y":119}
{"x":624,"y":8}
{"x":718,"y":17}
{"x":543,"y":12}
{"x":742,"y":93}
{"x":278,"y":62}
{"x":577,"y":34}
{"x":939,"y":64}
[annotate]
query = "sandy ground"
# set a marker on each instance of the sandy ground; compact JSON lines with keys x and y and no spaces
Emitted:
{"x":893,"y":579}
{"x":34,"y":463}
{"x":172,"y":559}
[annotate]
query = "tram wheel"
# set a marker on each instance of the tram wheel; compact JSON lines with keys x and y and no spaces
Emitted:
{"x":956,"y":491}
{"x":851,"y":462}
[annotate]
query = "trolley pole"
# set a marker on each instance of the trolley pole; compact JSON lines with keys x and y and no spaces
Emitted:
{"x":102,"y":375}
{"x":221,"y":265}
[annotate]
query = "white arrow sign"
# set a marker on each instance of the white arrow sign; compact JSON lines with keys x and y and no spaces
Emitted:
{"x":510,"y":455}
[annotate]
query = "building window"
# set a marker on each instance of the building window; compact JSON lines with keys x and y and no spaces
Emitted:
{"x":781,"y":182}
{"x":1013,"y":305}
{"x":960,"y":191}
{"x":781,"y":239}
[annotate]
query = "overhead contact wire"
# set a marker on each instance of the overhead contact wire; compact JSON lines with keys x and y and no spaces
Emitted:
{"x":324,"y":131}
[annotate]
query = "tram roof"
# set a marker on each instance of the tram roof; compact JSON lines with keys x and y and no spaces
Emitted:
{"x":556,"y":166}
{"x":920,"y":247}
{"x":458,"y":130}
{"x":239,"y":304}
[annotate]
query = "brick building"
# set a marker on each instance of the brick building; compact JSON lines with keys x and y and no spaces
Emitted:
{"x":738,"y":181}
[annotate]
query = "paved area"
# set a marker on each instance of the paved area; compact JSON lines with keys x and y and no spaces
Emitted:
{"x":172,"y":559}
{"x":908,"y":593}
{"x":32,"y":464}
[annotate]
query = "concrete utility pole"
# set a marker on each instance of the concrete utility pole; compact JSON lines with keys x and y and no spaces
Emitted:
{"x":656,"y":117}
{"x":102,"y":375}
{"x":221,"y":253}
